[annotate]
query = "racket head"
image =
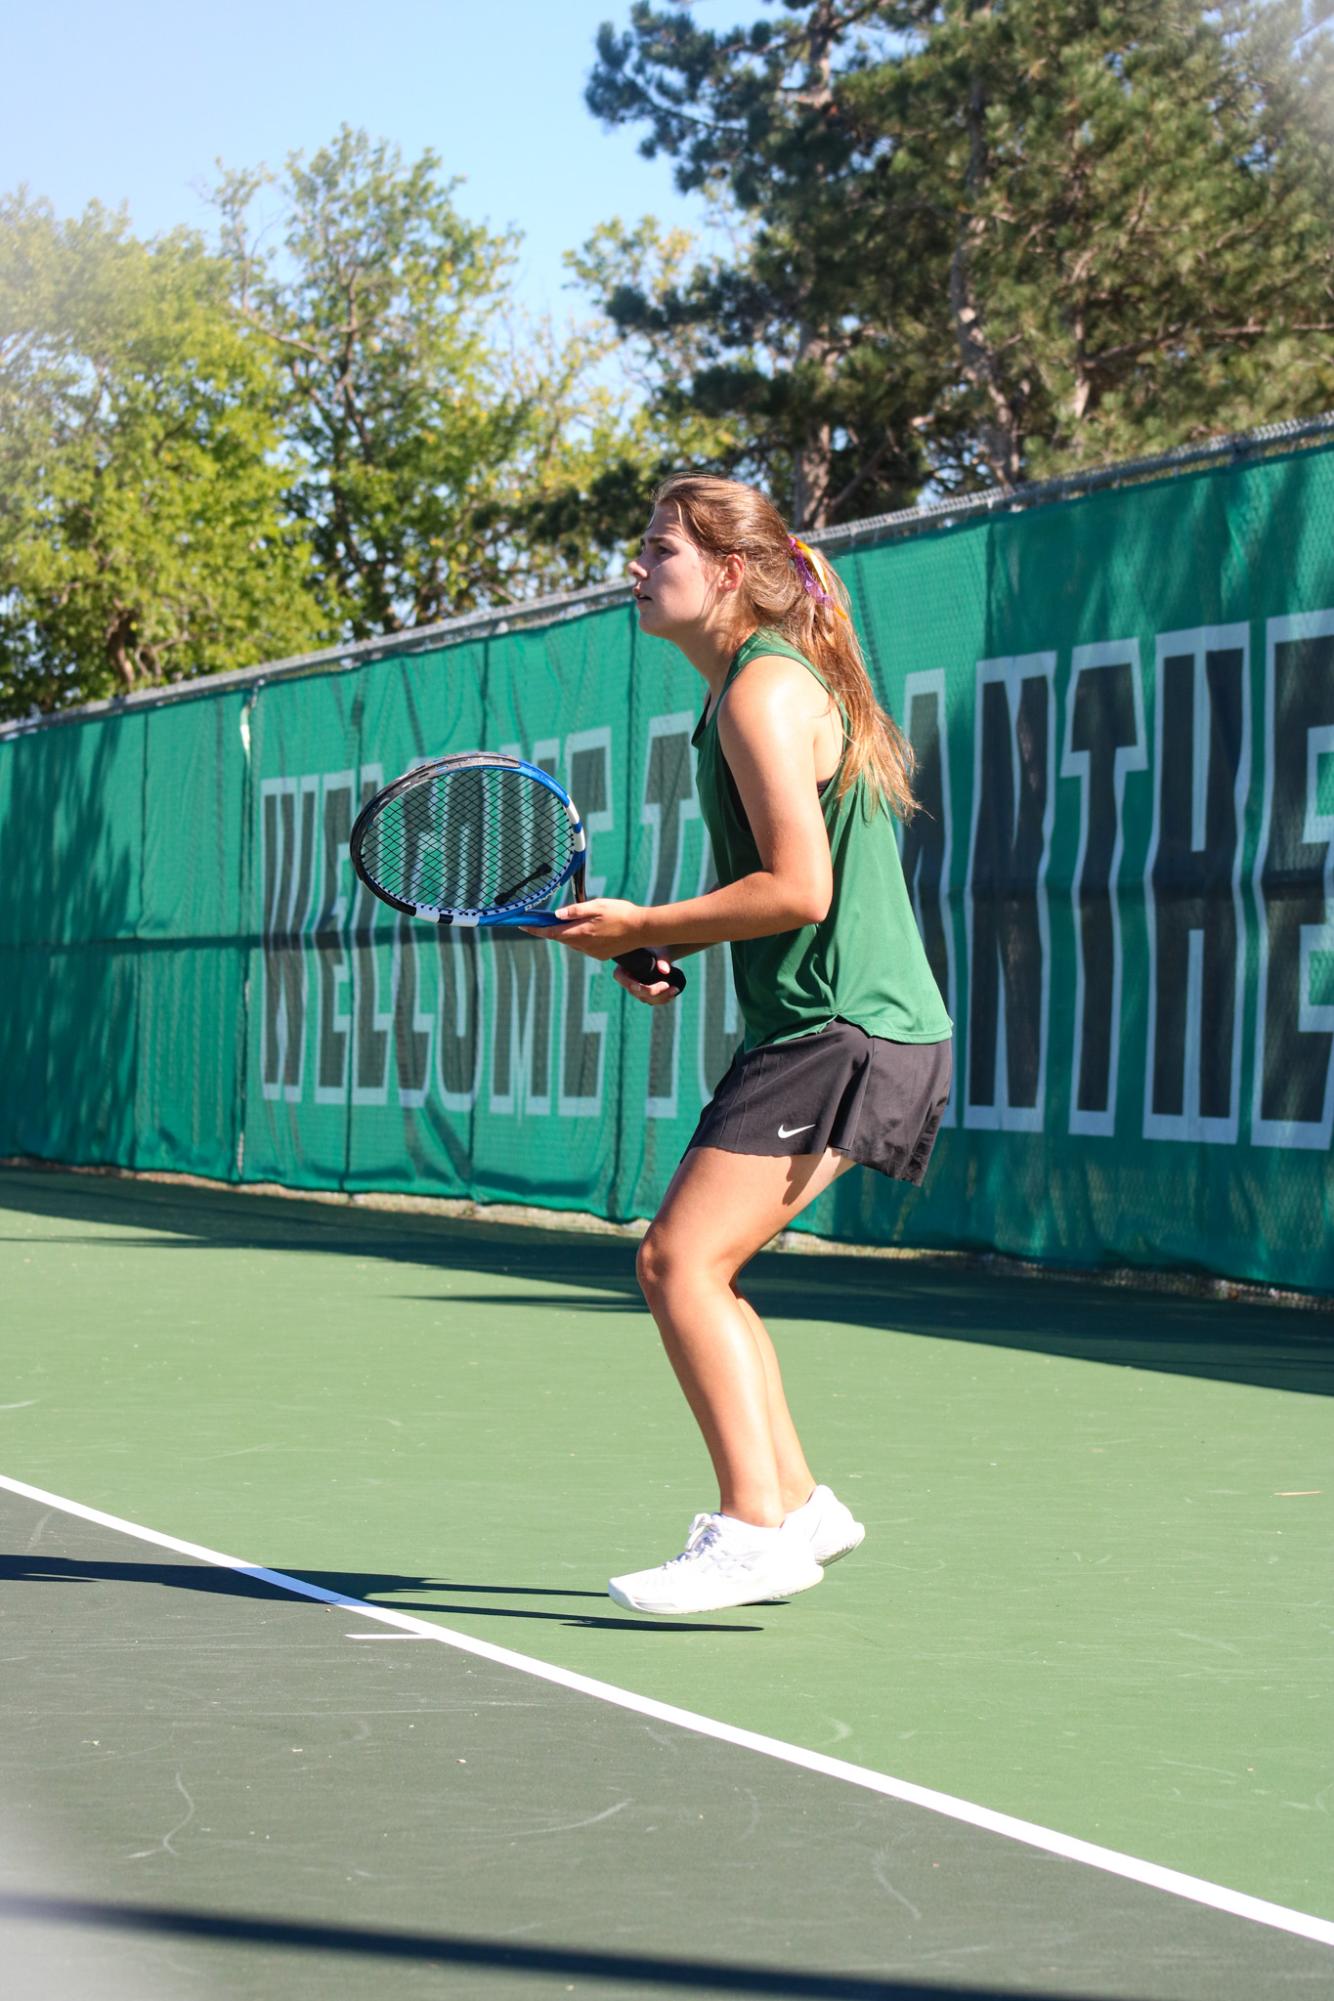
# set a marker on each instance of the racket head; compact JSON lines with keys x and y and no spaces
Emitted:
{"x":476,"y":838}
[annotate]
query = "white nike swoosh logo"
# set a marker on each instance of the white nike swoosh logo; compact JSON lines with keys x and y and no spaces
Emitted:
{"x":790,"y":1132}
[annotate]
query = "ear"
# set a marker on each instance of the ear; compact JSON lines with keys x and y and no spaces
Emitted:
{"x":733,"y":573}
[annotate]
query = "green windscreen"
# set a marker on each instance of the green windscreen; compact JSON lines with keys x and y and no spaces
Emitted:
{"x":1123,"y":711}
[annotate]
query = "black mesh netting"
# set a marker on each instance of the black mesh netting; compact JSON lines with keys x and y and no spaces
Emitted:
{"x":469,"y":838}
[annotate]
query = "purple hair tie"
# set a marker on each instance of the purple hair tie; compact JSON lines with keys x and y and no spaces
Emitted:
{"x":804,"y":561}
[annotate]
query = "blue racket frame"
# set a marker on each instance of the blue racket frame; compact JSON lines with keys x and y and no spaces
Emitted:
{"x":641,"y":964}
{"x":541,"y":905}
{"x":521,"y":911}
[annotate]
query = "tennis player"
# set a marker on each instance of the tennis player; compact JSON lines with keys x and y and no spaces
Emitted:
{"x":847,"y":1048}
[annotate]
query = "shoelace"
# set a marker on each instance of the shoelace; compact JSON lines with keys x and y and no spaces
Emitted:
{"x":704,"y":1533}
{"x":706,"y":1536}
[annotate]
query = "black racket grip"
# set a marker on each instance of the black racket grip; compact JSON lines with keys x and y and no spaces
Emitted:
{"x":643,"y":966}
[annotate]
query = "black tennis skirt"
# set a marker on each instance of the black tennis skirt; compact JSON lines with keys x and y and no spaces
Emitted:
{"x":878,"y":1101}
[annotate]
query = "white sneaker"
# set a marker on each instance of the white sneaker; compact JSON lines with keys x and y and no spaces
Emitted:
{"x":825,"y":1526}
{"x":725,"y":1562}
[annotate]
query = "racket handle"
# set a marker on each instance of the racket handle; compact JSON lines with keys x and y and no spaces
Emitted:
{"x":643,"y":966}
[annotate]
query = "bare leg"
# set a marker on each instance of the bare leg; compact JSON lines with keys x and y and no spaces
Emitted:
{"x":719,"y":1210}
{"x":795,"y":1478}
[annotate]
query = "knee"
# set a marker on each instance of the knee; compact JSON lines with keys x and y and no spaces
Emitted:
{"x":668,"y":1261}
{"x":653,"y":1262}
{"x":662,"y":1261}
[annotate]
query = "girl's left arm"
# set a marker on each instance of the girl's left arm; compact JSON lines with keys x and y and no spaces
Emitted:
{"x":767,"y":726}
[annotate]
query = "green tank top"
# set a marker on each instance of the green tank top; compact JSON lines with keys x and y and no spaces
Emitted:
{"x":864,"y":962}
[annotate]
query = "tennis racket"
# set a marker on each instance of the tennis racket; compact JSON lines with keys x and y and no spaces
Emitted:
{"x":480,"y":840}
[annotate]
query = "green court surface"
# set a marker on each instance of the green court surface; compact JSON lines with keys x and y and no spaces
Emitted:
{"x":1095,"y":1594}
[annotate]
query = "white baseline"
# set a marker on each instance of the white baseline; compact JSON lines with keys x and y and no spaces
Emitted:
{"x":1174,"y":1882}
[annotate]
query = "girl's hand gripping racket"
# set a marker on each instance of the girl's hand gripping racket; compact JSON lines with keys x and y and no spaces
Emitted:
{"x":480,"y":840}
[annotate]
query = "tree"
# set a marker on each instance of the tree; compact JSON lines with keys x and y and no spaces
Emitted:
{"x":591,"y":493}
{"x":994,"y":238}
{"x":143,"y":536}
{"x":1138,"y":218}
{"x":819,"y":395}
{"x":435,"y":431}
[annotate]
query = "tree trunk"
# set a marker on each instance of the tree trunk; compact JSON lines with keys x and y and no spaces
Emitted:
{"x":1000,"y":432}
{"x":1000,"y":436}
{"x":810,"y":470}
{"x":120,"y":647}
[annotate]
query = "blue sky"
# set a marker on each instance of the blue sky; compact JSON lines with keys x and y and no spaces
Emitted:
{"x":133,"y":100}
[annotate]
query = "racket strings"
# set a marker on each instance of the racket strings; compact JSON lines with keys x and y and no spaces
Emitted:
{"x":472,"y":840}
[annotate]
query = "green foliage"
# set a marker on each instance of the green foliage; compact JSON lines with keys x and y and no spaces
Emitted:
{"x":143,"y":537}
{"x":989,"y":239}
{"x":594,"y":495}
{"x":207,"y":461}
{"x":971,"y":242}
{"x":810,"y":394}
{"x":440,"y":438}
{"x":1138,"y":248}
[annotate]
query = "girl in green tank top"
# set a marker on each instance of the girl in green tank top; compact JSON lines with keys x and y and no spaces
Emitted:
{"x":863,"y":961}
{"x":846,"y":1057}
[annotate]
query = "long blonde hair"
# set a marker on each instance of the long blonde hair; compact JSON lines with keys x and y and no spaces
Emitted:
{"x":791,"y":588}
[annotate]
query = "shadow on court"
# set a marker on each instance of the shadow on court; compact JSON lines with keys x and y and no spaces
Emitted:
{"x":435,"y":1596}
{"x":484,"y":1955}
{"x":943,"y":1297}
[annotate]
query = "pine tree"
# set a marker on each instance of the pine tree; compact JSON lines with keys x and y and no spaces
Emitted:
{"x":992,"y":239}
{"x":820,"y":394}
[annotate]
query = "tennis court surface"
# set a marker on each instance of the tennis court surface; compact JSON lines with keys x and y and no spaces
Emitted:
{"x":1061,"y":1728}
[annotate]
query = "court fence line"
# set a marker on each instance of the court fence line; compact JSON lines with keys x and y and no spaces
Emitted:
{"x":426,"y":1209}
{"x":1123,"y":714}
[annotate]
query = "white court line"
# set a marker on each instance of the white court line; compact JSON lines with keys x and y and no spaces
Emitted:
{"x":1195,"y":1889}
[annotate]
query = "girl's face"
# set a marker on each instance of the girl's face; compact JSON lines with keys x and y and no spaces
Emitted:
{"x":677,"y":587}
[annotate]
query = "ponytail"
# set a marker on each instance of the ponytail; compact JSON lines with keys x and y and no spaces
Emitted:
{"x":794,"y":589}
